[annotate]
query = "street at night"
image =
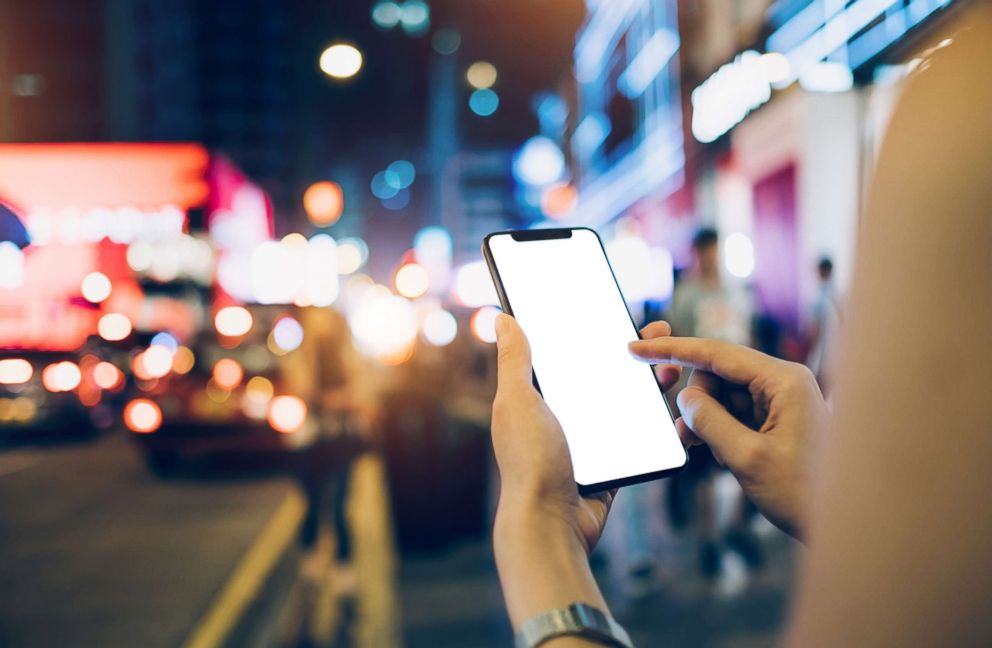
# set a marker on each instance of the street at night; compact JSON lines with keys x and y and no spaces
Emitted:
{"x":533,"y":323}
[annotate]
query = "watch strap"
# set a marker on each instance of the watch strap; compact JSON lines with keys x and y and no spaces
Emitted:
{"x":576,"y":620}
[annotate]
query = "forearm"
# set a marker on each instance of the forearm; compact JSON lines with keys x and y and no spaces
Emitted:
{"x":542,"y":565}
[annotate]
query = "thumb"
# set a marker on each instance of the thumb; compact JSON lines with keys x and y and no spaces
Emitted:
{"x":513,"y":357}
{"x":730,"y":440}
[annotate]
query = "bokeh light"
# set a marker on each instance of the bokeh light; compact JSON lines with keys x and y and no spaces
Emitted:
{"x":382,"y":188}
{"x":352,"y":254}
{"x":738,"y":255}
{"x":11,"y":265}
{"x":183,"y":361}
{"x":386,"y":15}
{"x":142,"y":416}
{"x":483,"y":102}
{"x":233,"y":321}
{"x":415,"y":17}
{"x":61,"y":376}
{"x":539,"y":162}
{"x":484,"y":324}
{"x":473,"y":285}
{"x":558,"y":200}
{"x":107,"y":376}
{"x":140,"y":255}
{"x":167,"y":340}
{"x":399,"y":201}
{"x":96,"y":287}
{"x":383,"y":324}
{"x":260,"y":388}
{"x":401,"y":174}
{"x":775,"y":66}
{"x":15,"y":371}
{"x":412,"y":280}
{"x":440,"y":327}
{"x":446,"y":41}
{"x":433,"y":245}
{"x":481,"y":75}
{"x":287,"y":414}
{"x":228,"y":373}
{"x":157,"y":361}
{"x":341,"y":61}
{"x":323,"y":202}
{"x":114,"y":327}
{"x":287,"y":334}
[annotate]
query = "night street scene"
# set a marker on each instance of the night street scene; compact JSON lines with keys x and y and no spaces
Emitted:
{"x":260,"y":385}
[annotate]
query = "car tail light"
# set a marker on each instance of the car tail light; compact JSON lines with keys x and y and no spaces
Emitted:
{"x":15,"y":371}
{"x":142,"y":416}
{"x":61,"y":376}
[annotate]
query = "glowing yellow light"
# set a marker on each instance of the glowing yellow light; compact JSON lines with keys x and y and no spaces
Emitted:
{"x":341,"y":61}
{"x":142,"y":416}
{"x":233,"y":321}
{"x":156,"y":361}
{"x":323,"y":202}
{"x":349,"y":258}
{"x":412,"y":281}
{"x":294,"y":240}
{"x":481,"y":75}
{"x":259,"y":388}
{"x":95,"y":287}
{"x":183,"y":361}
{"x":287,"y":414}
{"x":107,"y":376}
{"x":228,"y":373}
{"x":61,"y":376}
{"x":15,"y":371}
{"x":114,"y":327}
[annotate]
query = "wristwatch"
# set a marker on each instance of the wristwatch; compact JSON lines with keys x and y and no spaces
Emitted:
{"x":576,"y":620}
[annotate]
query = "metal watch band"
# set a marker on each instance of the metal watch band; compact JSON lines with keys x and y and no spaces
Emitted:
{"x":576,"y":620}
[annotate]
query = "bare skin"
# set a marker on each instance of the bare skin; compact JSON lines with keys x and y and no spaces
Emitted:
{"x":891,"y":495}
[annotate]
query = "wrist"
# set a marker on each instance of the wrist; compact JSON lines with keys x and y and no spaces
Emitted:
{"x":523,"y":518}
{"x":542,"y":561}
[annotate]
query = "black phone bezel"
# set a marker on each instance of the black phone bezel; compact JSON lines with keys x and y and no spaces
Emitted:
{"x":562,"y":233}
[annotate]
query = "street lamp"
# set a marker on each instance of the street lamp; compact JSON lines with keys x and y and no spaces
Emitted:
{"x":341,"y":61}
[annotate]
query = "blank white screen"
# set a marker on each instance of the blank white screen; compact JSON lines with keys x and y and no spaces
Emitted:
{"x":563,"y":294}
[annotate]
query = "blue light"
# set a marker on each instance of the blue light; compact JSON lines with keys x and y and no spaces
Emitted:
{"x":446,"y":41}
{"x":386,"y":15}
{"x":381,"y":187}
{"x":398,"y":201}
{"x":415,"y":16}
{"x":483,"y":102}
{"x":287,"y":334}
{"x":404,"y":171}
{"x":166,"y":340}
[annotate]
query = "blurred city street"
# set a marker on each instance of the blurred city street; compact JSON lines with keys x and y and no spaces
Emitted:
{"x":247,"y":330}
{"x":83,"y":519}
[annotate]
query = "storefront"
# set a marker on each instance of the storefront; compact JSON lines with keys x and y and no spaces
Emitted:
{"x":785,"y":133}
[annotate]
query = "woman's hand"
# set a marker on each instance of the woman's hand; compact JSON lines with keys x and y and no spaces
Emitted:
{"x":759,"y":415}
{"x":536,"y":477}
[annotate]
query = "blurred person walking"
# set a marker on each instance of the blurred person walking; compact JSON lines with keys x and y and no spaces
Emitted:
{"x":704,"y":306}
{"x":824,"y":322}
{"x":328,"y":372}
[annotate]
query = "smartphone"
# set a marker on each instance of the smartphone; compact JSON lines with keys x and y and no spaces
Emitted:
{"x":559,"y":286}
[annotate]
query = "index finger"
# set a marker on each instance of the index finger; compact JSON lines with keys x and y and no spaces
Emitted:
{"x":736,"y":363}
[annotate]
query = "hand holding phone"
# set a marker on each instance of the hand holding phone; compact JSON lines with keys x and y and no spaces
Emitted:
{"x":559,"y":286}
